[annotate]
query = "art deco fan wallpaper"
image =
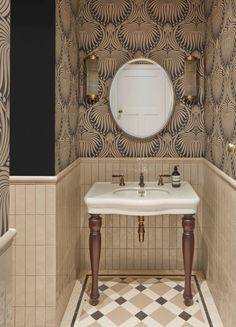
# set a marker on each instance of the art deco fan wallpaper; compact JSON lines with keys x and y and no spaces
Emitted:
{"x":117,"y":31}
{"x":220,"y":83}
{"x":4,"y":111}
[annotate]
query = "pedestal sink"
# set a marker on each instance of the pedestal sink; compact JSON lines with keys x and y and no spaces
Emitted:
{"x":151,"y":200}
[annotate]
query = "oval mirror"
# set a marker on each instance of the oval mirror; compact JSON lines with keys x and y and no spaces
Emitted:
{"x":141,"y":98}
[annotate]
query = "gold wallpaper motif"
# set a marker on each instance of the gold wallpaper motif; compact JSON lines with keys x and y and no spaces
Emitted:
{"x":67,"y":83}
{"x":118,"y":31}
{"x":220,"y":83}
{"x":4,"y":112}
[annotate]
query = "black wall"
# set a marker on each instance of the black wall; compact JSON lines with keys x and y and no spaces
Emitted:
{"x":32,"y":106}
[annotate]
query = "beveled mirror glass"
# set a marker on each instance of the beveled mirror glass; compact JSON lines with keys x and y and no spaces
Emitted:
{"x":141,"y":98}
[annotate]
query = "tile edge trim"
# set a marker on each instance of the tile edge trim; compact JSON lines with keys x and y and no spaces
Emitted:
{"x":229,"y":180}
{"x":44,"y":179}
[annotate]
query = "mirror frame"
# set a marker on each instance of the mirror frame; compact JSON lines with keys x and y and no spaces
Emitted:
{"x":171,"y":104}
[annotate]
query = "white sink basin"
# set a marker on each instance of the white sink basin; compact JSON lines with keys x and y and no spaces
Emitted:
{"x":140,"y":192}
{"x":151,"y":200}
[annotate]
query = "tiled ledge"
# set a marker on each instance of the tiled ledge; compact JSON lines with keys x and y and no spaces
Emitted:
{"x":44,"y":179}
{"x":229,"y":180}
{"x":17,"y":180}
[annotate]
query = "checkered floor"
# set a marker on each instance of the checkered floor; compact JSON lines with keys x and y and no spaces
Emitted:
{"x":128,"y":301}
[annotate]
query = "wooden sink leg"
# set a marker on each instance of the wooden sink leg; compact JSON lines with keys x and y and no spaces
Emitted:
{"x":95,"y":223}
{"x":188,"y":223}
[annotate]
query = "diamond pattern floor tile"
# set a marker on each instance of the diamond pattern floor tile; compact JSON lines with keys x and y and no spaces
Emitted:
{"x":129,"y":301}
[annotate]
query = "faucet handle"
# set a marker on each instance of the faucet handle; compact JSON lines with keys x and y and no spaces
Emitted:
{"x":122,"y":180}
{"x":160,"y":180}
{"x":121,"y":177}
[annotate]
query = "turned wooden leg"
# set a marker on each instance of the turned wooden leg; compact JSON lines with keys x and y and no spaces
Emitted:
{"x":188,"y":223}
{"x":95,"y":223}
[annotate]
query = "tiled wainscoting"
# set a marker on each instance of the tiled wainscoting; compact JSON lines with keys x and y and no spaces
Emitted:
{"x":44,"y":211}
{"x":33,"y":214}
{"x":162,"y":248}
{"x":219,"y":240}
{"x":52,"y":234}
{"x":67,"y":236}
{"x":6,"y":294}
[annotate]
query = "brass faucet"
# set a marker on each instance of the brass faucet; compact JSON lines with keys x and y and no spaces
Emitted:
{"x":141,"y":180}
{"x":121,"y":177}
{"x":160,"y":180}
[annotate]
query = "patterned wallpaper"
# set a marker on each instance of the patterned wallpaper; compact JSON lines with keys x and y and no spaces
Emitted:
{"x":220,"y":83}
{"x":4,"y":112}
{"x":162,"y":30}
{"x":67,"y":79}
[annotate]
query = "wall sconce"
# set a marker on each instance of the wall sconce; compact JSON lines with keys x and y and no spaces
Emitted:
{"x":190,"y":78}
{"x":91,"y":63}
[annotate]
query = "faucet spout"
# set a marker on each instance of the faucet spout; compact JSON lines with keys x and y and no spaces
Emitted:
{"x":141,"y":180}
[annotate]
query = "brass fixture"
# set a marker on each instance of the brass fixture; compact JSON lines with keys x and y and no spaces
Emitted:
{"x":231,"y":148}
{"x":190,"y":78}
{"x":190,"y":97}
{"x":141,"y":229}
{"x":160,"y":180}
{"x":141,"y":180}
{"x":91,"y":62}
{"x":121,"y":177}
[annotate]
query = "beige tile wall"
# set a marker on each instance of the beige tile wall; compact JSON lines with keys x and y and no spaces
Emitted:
{"x":219,"y":241}
{"x":45,"y":213}
{"x":33,"y":214}
{"x":6,"y":294}
{"x":162,"y":248}
{"x":67,"y":236}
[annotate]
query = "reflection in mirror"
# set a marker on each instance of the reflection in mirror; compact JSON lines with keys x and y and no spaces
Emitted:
{"x":141,"y":98}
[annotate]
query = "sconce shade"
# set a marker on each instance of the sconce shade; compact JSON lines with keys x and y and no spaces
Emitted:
{"x":190,"y":78}
{"x":91,"y":62}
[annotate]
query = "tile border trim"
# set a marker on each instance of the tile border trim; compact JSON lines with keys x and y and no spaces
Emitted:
{"x":226,"y":178}
{"x":44,"y":179}
{"x":32,"y":180}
